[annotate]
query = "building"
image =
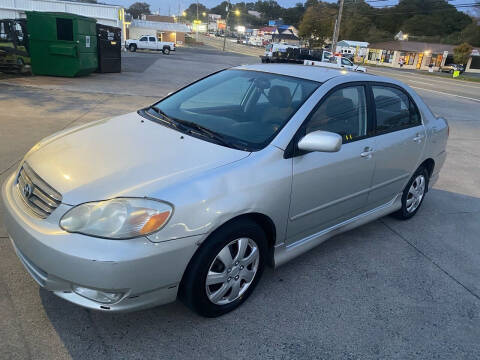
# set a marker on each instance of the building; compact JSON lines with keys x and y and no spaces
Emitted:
{"x":412,"y":54}
{"x":164,"y":31}
{"x":286,"y":39}
{"x":401,"y":36}
{"x":416,"y":55}
{"x":358,"y":48}
{"x":159,"y":18}
{"x":287,"y":29}
{"x":254,"y":13}
{"x":112,"y":15}
{"x":473,"y":64}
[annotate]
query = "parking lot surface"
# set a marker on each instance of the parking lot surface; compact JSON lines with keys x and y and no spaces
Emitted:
{"x":386,"y":290}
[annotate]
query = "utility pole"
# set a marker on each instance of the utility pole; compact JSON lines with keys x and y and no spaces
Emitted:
{"x":226,"y":23}
{"x":197,"y":23}
{"x":336,"y":30}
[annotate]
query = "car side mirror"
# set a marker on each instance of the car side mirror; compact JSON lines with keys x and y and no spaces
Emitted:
{"x":319,"y":140}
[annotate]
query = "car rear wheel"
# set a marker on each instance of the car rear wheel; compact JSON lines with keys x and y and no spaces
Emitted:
{"x":166,"y":51}
{"x":132,"y":47}
{"x":413,"y":194}
{"x":225,"y":270}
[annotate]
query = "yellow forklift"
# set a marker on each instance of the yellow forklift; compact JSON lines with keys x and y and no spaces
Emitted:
{"x":14,"y":51}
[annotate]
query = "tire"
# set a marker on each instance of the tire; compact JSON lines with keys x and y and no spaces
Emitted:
{"x":21,"y":65}
{"x":166,"y":51}
{"x":132,"y":47}
{"x":409,"y":197}
{"x":220,"y":297}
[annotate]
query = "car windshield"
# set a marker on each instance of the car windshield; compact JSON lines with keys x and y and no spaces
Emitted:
{"x":238,"y":106}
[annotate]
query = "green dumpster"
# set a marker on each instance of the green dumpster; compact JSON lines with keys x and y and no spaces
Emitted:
{"x":62,"y":44}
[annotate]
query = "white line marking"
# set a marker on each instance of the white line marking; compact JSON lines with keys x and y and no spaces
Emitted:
{"x":444,"y":93}
{"x":449,"y":82}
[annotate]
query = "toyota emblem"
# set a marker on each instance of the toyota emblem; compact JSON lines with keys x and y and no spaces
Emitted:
{"x":27,"y":190}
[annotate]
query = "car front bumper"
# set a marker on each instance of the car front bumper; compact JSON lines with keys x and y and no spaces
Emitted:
{"x":146,"y":273}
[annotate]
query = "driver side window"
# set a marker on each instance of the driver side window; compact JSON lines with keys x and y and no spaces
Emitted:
{"x":343,"y":112}
{"x":143,"y":38}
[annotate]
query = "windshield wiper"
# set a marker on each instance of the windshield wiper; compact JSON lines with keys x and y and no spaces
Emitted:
{"x":165,"y":117}
{"x":189,"y":127}
{"x":207,"y":132}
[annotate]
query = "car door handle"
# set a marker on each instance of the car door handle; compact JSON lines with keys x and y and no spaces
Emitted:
{"x":367,"y":153}
{"x":418,"y":138}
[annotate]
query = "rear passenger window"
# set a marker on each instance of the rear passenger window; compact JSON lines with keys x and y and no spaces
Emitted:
{"x":394,"y":109}
{"x":151,"y":39}
{"x":343,"y":112}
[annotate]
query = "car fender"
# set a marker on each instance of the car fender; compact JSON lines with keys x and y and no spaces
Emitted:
{"x":259,"y":183}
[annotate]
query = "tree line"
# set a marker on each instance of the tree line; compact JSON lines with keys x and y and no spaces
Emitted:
{"x":423,"y":20}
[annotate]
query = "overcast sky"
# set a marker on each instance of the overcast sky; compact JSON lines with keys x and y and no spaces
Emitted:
{"x":173,"y":5}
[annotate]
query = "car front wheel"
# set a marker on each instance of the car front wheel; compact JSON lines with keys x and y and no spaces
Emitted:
{"x":225,"y":270}
{"x":413,"y":194}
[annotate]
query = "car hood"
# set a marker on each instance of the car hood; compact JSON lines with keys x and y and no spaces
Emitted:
{"x":122,"y":156}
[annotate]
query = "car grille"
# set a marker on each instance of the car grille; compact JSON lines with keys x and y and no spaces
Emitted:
{"x":40,"y":197}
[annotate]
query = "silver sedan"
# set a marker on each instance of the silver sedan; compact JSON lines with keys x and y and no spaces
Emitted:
{"x":196,"y":194}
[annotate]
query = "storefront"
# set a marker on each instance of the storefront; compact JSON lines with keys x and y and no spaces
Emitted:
{"x":164,"y":31}
{"x":409,"y":54}
{"x":473,"y":64}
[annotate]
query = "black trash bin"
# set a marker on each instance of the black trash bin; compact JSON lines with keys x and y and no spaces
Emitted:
{"x":109,"y":43}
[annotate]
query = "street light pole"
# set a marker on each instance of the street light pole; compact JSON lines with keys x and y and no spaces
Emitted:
{"x":197,"y":24}
{"x":226,"y":22}
{"x":336,"y":30}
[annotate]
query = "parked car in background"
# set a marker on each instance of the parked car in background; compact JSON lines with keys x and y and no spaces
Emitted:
{"x":338,"y":62}
{"x":450,"y":68}
{"x":194,"y":195}
{"x":149,"y":42}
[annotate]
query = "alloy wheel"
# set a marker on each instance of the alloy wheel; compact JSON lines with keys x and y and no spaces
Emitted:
{"x":232,"y":271}
{"x":415,"y":193}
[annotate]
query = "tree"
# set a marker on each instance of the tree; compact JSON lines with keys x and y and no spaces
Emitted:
{"x":138,"y":9}
{"x":462,"y":53}
{"x":293,"y":15}
{"x":220,"y":9}
{"x":317,"y":23}
{"x":192,"y":11}
{"x":269,"y":9}
{"x":471,"y":34}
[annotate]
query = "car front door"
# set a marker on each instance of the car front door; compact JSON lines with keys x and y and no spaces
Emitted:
{"x":347,"y":63}
{"x":399,"y":141}
{"x":143,"y":42}
{"x":328,"y":188}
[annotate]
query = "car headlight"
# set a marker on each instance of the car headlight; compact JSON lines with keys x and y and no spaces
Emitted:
{"x":119,"y":218}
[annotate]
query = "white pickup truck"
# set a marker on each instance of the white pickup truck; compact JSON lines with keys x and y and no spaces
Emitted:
{"x":337,"y":62}
{"x":149,"y":42}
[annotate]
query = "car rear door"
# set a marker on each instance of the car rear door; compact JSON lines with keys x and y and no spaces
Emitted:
{"x":328,"y":188}
{"x":399,"y":141}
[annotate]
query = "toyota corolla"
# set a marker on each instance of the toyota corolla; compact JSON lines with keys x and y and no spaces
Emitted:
{"x":193,"y":196}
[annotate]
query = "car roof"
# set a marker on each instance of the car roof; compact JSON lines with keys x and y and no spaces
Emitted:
{"x":315,"y":73}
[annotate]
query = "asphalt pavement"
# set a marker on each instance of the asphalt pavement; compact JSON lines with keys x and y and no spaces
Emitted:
{"x":387,"y":290}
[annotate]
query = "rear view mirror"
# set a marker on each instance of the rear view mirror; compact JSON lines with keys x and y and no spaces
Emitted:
{"x":319,"y":140}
